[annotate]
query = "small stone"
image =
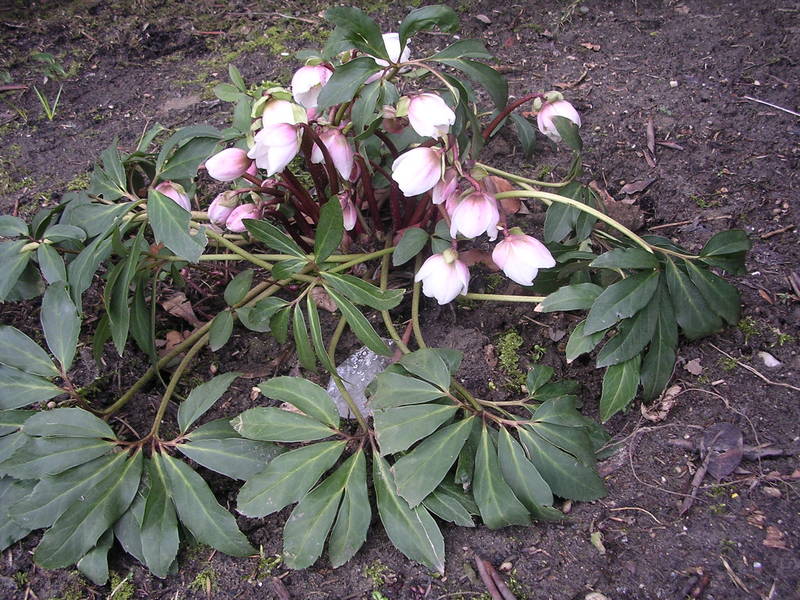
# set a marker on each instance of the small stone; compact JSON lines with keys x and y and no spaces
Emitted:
{"x":772,"y":492}
{"x":673,"y":84}
{"x":769,"y":361}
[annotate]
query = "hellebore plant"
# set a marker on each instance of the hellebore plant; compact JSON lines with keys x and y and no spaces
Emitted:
{"x":369,"y":164}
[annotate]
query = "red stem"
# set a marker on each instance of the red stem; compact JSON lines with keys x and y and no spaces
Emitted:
{"x":507,"y":111}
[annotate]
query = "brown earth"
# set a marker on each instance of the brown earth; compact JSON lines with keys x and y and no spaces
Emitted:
{"x":722,"y":160}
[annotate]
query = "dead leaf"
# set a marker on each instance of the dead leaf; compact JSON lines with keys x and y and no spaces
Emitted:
{"x":322,"y":300}
{"x":765,"y":296}
{"x":775,"y":539}
{"x":484,"y":19}
{"x":660,"y":410}
{"x":682,"y":9}
{"x":772,"y":492}
{"x":172,"y":339}
{"x":694,"y":367}
{"x":596,"y":538}
{"x":671,"y":145}
{"x":474,"y":256}
{"x":651,"y":137}
{"x":590,"y":46}
{"x":179,"y":306}
{"x":634,"y":187}
{"x":724,"y":443}
{"x":490,"y":356}
{"x":757,"y":519}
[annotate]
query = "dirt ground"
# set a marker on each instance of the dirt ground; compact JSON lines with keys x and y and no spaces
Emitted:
{"x":696,"y":70}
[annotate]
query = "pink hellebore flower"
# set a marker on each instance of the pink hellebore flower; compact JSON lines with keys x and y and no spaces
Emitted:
{"x":521,"y":256}
{"x":430,"y":116}
{"x":418,"y":170}
{"x":446,"y":187}
{"x":340,"y":150}
{"x":280,"y":111}
{"x":229,"y":164}
{"x":308,"y":82}
{"x":443,"y":276}
{"x":221,"y":207}
{"x":176,"y":193}
{"x":275,"y":147}
{"x":349,"y":212}
{"x":392,"y":42}
{"x":559,"y":108}
{"x":245,"y":211}
{"x":474,"y":215}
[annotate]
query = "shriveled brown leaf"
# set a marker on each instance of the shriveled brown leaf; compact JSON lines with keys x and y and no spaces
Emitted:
{"x":490,"y":356}
{"x":634,"y":187}
{"x":724,"y":443}
{"x":172,"y":339}
{"x":179,"y":306}
{"x":591,"y":46}
{"x":322,"y":300}
{"x":483,"y":19}
{"x":775,"y":538}
{"x":694,"y":367}
{"x":474,"y":256}
{"x":757,"y":519}
{"x":651,"y":137}
{"x":660,"y":410}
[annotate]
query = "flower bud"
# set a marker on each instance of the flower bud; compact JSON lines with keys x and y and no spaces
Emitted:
{"x":560,"y":108}
{"x":275,"y":147}
{"x":418,"y":170}
{"x":474,"y":215}
{"x":222,"y":206}
{"x":521,"y":256}
{"x":307,"y":83}
{"x":443,"y":276}
{"x":349,"y":213}
{"x":340,"y":150}
{"x":429,"y":115}
{"x":228,"y":165}
{"x":446,"y":187}
{"x":245,"y":211}
{"x":392,"y":42}
{"x":282,"y":111}
{"x":176,"y":193}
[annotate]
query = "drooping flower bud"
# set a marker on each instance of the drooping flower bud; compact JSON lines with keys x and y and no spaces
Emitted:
{"x":392,"y":42}
{"x":560,"y":108}
{"x":418,"y":170}
{"x":474,"y":215}
{"x":176,"y":193}
{"x":349,"y":213}
{"x":391,"y":122}
{"x":446,"y":187}
{"x":275,"y":147}
{"x":429,"y":115}
{"x":521,"y":256}
{"x":229,"y":164}
{"x":222,"y":206}
{"x":244,"y":211}
{"x":308,"y":82}
{"x":340,"y":150}
{"x":443,"y":276}
{"x":282,"y":111}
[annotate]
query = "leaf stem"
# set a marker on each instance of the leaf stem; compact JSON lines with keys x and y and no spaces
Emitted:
{"x":503,"y":297}
{"x":415,"y":307}
{"x":520,"y":178}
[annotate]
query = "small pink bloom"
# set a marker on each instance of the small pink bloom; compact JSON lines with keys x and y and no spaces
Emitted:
{"x":221,"y":207}
{"x":521,"y":256}
{"x":245,"y":211}
{"x":308,"y":82}
{"x":560,"y":108}
{"x":252,"y":170}
{"x":280,"y":111}
{"x":340,"y":150}
{"x":418,"y":170}
{"x":446,"y":187}
{"x":443,"y":276}
{"x":429,"y":115}
{"x":275,"y":147}
{"x":349,"y":213}
{"x":392,"y":42}
{"x":229,"y":164}
{"x":474,"y":215}
{"x":176,"y":193}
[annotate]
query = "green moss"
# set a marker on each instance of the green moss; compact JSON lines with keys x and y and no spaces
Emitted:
{"x":205,"y":581}
{"x":493,"y":281}
{"x":79,"y":182}
{"x":508,"y":345}
{"x":378,"y":573}
{"x":121,"y":587}
{"x":749,"y":328}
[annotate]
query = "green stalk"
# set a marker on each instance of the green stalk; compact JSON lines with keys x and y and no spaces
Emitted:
{"x":520,"y":178}
{"x":387,"y":318}
{"x":503,"y":297}
{"x":415,"y":307}
{"x":337,"y":334}
{"x":361,"y":259}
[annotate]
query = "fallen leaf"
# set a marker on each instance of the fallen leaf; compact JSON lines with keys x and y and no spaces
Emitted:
{"x":660,"y":410}
{"x":651,"y":137}
{"x":775,"y":539}
{"x":597,"y":541}
{"x":671,"y":145}
{"x":694,"y":367}
{"x":724,"y":444}
{"x":590,"y":46}
{"x":765,"y":296}
{"x":322,"y":300}
{"x":490,"y":356}
{"x":484,"y":19}
{"x":634,"y":187}
{"x":757,"y":519}
{"x":179,"y":306}
{"x":772,"y":492}
{"x":474,"y":256}
{"x":172,"y":339}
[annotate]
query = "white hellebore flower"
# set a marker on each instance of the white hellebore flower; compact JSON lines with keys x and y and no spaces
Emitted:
{"x":229,"y":164}
{"x":392,"y":42}
{"x":282,"y":111}
{"x":446,"y":187}
{"x":275,"y":147}
{"x":429,"y":115}
{"x":308,"y":82}
{"x":559,"y":108}
{"x":418,"y":170}
{"x":340,"y":150}
{"x":443,"y":276}
{"x":222,"y":206}
{"x":474,"y":215}
{"x":176,"y":193}
{"x":521,"y":256}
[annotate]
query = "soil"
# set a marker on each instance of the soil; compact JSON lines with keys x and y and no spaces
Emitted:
{"x":722,"y":160}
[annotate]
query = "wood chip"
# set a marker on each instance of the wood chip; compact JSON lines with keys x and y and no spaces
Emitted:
{"x":775,"y":538}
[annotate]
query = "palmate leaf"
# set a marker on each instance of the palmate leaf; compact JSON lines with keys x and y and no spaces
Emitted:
{"x":303,"y":395}
{"x":11,"y":492}
{"x":18,"y":389}
{"x":233,"y":457}
{"x":355,"y":514}
{"x":48,"y":456}
{"x":159,"y":530}
{"x":659,"y":361}
{"x":202,"y":398}
{"x":271,"y":424}
{"x":273,"y":237}
{"x":396,"y":429}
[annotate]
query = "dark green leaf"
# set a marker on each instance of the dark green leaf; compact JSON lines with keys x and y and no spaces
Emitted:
{"x":273,"y":237}
{"x":520,"y":474}
{"x":525,"y":133}
{"x":657,"y":367}
{"x":579,"y":296}
{"x":200,"y":512}
{"x":425,"y":19}
{"x":304,"y":395}
{"x":286,"y":268}
{"x":619,"y":387}
{"x":60,"y":323}
{"x":238,"y":287}
{"x":692,"y":312}
{"x":572,"y":440}
{"x":287,"y":478}
{"x":632,"y":336}
{"x":362,"y":292}
{"x":9,"y":444}
{"x":579,"y":343}
{"x":464,"y":49}
{"x":396,"y":429}
{"x":626,"y":258}
{"x":221,"y":330}
{"x":316,"y":335}
{"x":96,"y":219}
{"x":428,"y":365}
{"x":346,"y":81}
{"x":258,"y":316}
{"x":67,"y":422}
{"x":732,"y":241}
{"x":559,"y":221}
{"x":14,"y":262}
{"x":128,"y":529}
{"x":185,"y":160}
{"x":202,"y":398}
{"x":330,"y":230}
{"x":488,"y":78}
{"x":82,"y":268}
{"x":412,"y":530}
{"x":358,"y":29}
{"x":721,"y":296}
{"x":279,"y":325}
{"x":140,"y":319}
{"x":112,"y":165}
{"x":411,"y":244}
{"x":12,"y":420}
{"x":305,"y":353}
{"x":48,"y":456}
{"x":77,"y":530}
{"x":11,"y":492}
{"x":569,"y":132}
{"x":364,"y":108}
{"x":159,"y":521}
{"x":12,"y":226}
{"x":397,"y":390}
{"x":559,"y":411}
{"x":234,"y":457}
{"x":218,"y":429}
{"x":359,"y":324}
{"x":498,"y":505}
{"x":51,"y":264}
{"x":732,"y":263}
{"x":94,"y":564}
{"x":538,"y":375}
{"x":21,"y":352}
{"x":227,"y":92}
{"x":170,"y":225}
{"x":355,"y":513}
{"x":446,"y":503}
{"x":620,"y":301}
{"x":270,"y":424}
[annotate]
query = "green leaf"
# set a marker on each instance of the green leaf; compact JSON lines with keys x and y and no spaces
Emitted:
{"x":140,"y":319}
{"x":425,"y":19}
{"x":569,"y":132}
{"x":218,"y":429}
{"x":94,"y":564}
{"x":187,"y":158}
{"x":538,"y":375}
{"x":304,"y":395}
{"x":632,"y":336}
{"x":287,"y":478}
{"x":53,"y":494}
{"x":520,"y":474}
{"x":9,"y":444}
{"x":732,"y":241}
{"x":233,"y":457}
{"x":273,"y":237}
{"x":14,"y":262}
{"x":420,"y":471}
{"x":330,"y":230}
{"x":305,"y":353}
{"x":112,"y":165}
{"x":362,"y":292}
{"x":398,"y":390}
{"x":128,"y":529}
{"x":83,"y":267}
{"x":620,"y":301}
{"x":67,"y":422}
{"x":488,"y":78}
{"x":200,"y":512}
{"x":657,"y":368}
{"x":525,"y":134}
{"x":427,"y":364}
{"x":60,"y":323}
{"x":358,"y":29}
{"x":411,"y":244}
{"x":170,"y":224}
{"x":286,"y":268}
{"x":355,"y":514}
{"x":96,"y":219}
{"x":202,"y":398}
{"x":412,"y":530}
{"x":316,"y":335}
{"x":49,"y":456}
{"x":721,"y":296}
{"x":62,"y":232}
{"x":258,"y":317}
{"x":227,"y":92}
{"x":498,"y":505}
{"x":159,"y":523}
{"x":396,"y":429}
{"x":51,"y":264}
{"x":359,"y":324}
{"x":565,"y":475}
{"x":572,"y":440}
{"x":346,"y":81}
{"x":559,"y":411}
{"x":279,"y":325}
{"x":12,"y":226}
{"x":559,"y":221}
{"x":364,"y":110}
{"x":238,"y":287}
{"x":77,"y":530}
{"x":11,"y":492}
{"x":446,"y":503}
{"x":692,"y":312}
{"x":21,"y":352}
{"x":619,"y":387}
{"x":579,"y":296}
{"x":270,"y":424}
{"x":579,"y":343}
{"x":220,"y":331}
{"x":464,"y":49}
{"x":12,"y":420}
{"x":626,"y":258}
